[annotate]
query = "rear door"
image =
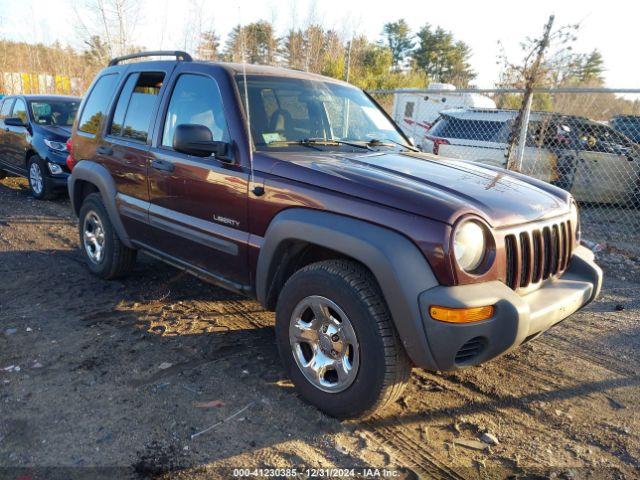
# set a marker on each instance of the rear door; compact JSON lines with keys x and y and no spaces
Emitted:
{"x":127,"y":139}
{"x":17,"y":138}
{"x":198,"y":209}
{"x":5,"y":111}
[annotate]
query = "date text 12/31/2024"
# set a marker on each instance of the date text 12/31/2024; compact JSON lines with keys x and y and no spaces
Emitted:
{"x":317,"y":473}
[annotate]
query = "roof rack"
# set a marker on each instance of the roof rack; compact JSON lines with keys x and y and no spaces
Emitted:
{"x":184,"y":56}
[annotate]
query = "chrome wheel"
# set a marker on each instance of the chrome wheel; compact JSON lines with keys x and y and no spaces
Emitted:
{"x":35,"y":178}
{"x":93,"y":237}
{"x":324,"y":344}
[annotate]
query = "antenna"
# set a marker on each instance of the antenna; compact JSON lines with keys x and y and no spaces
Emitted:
{"x":257,"y":190}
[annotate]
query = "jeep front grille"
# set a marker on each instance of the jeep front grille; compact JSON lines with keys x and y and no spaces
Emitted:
{"x":537,"y":254}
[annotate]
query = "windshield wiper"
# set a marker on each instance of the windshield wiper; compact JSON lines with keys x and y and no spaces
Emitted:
{"x":318,"y":142}
{"x":333,"y":141}
{"x":293,"y":142}
{"x":383,"y":142}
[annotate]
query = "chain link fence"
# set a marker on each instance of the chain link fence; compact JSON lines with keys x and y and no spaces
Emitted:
{"x":586,"y":141}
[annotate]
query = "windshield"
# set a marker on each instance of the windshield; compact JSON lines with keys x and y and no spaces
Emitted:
{"x":286,"y":112}
{"x":54,"y":112}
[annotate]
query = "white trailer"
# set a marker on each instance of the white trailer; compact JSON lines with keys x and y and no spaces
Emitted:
{"x":415,"y":111}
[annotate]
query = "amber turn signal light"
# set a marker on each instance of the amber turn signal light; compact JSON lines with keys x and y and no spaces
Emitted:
{"x":461,"y":315}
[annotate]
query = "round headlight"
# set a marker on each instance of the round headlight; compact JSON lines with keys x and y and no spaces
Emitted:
{"x":469,"y":245}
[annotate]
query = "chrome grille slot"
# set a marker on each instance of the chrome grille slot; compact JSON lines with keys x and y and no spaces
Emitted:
{"x":510,"y":249}
{"x":565,"y":243}
{"x":555,"y":250}
{"x":546,"y":253}
{"x":537,"y":258}
{"x":525,"y":259}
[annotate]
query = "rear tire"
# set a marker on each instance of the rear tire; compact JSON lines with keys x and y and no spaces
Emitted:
{"x":39,"y":183}
{"x":104,"y":253}
{"x":321,"y":373}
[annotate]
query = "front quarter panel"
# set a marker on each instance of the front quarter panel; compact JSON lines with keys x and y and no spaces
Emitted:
{"x":398,"y":266}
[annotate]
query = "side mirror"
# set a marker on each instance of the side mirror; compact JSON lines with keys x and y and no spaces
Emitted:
{"x":14,"y":122}
{"x":197,"y":140}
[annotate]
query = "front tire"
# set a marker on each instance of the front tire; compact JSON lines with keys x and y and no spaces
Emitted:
{"x":39,"y":182}
{"x":337,"y":341}
{"x":104,"y":253}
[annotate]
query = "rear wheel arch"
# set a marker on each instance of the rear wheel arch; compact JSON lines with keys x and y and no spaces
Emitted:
{"x":105,"y":255}
{"x":96,"y":175}
{"x":82,"y":190}
{"x":399,"y":268}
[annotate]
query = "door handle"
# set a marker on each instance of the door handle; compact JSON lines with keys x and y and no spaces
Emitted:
{"x":163,"y":165}
{"x":102,"y":150}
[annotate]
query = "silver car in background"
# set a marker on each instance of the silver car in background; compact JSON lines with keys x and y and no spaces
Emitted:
{"x":594,"y":162}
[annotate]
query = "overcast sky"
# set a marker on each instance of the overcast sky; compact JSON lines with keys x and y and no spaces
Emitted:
{"x":611,"y":26}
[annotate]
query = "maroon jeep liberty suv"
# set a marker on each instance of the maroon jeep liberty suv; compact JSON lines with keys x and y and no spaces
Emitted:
{"x":300,"y":191}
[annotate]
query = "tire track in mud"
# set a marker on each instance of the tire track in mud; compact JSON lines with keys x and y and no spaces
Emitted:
{"x":575,"y":348}
{"x":404,"y":449}
{"x":611,"y":446}
{"x":523,"y":412}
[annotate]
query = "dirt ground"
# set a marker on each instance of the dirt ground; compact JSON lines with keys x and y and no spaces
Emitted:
{"x":114,"y":378}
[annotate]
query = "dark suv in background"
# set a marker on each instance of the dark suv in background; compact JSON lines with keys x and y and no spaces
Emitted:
{"x":34,"y":130}
{"x":300,"y":191}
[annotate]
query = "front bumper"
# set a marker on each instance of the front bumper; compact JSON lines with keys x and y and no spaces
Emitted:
{"x":516,"y":318}
{"x":59,"y":181}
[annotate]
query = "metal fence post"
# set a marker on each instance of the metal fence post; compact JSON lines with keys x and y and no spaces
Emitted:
{"x":522,"y":139}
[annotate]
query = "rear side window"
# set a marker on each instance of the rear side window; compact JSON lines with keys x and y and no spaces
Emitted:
{"x":20,"y":110}
{"x":195,"y":100}
{"x":479,"y":130}
{"x":6,"y":108}
{"x":96,"y":105}
{"x":135,"y":107}
{"x":121,"y":107}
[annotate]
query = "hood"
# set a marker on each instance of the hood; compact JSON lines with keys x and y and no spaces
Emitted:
{"x":55,"y":132}
{"x":434,"y":187}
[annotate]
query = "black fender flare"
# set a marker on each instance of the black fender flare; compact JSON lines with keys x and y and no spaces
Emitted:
{"x":399,"y":267}
{"x":100,"y":177}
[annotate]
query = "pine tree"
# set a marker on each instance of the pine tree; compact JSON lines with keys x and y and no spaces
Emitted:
{"x":398,"y":39}
{"x":442,"y":57}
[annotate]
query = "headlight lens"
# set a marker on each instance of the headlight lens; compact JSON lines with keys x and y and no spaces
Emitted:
{"x":57,"y":146}
{"x":469,"y":245}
